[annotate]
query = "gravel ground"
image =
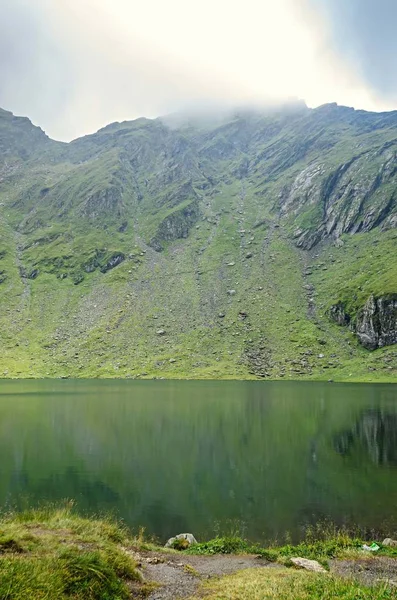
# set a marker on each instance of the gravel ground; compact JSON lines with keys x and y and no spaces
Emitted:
{"x":369,"y":570}
{"x":179,"y":576}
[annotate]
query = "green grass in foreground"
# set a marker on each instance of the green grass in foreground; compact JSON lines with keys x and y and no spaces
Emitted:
{"x":54,"y":554}
{"x":321,"y":543}
{"x":275,"y":584}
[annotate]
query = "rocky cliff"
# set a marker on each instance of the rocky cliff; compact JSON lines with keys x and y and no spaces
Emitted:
{"x":375,"y":323}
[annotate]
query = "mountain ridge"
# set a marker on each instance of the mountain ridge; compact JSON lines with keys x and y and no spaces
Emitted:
{"x":177,"y":226}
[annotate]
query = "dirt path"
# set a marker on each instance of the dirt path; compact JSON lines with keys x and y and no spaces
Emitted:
{"x":180,"y":575}
{"x":369,"y":570}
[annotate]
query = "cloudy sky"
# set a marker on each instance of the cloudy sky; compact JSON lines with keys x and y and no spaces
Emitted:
{"x":74,"y":66}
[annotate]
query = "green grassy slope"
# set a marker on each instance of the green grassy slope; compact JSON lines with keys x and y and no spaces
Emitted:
{"x":148,"y":251}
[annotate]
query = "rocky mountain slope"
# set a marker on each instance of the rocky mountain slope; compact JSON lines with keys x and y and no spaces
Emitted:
{"x":263,"y":245}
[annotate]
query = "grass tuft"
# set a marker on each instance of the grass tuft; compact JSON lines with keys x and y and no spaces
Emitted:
{"x":53,"y":553}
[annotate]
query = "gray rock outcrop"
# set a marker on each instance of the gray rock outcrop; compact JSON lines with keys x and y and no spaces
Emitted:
{"x":376,"y":323}
{"x":349,"y":195}
{"x":338,"y":314}
{"x":177,"y":224}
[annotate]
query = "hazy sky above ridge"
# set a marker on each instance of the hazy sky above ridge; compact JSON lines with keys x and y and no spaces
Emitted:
{"x":73,"y":66}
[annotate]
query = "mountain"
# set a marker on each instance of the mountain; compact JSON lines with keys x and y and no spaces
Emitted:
{"x":254,"y":245}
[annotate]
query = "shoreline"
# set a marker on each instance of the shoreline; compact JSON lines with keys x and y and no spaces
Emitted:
{"x":55,"y":553}
{"x":226,"y":378}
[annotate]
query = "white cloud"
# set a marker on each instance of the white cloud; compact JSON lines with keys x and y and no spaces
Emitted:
{"x":130,"y":58}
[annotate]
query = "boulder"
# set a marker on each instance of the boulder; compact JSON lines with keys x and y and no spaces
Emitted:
{"x":389,"y":542}
{"x":186,"y":540}
{"x":308,"y":565}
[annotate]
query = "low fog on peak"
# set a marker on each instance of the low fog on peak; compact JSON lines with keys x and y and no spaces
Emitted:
{"x":73,"y":67}
{"x":212,"y":114}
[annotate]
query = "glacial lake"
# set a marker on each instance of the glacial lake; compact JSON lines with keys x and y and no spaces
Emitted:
{"x":259,"y":458}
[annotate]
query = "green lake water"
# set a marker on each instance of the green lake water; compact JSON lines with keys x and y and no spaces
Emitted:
{"x":173,"y":456}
